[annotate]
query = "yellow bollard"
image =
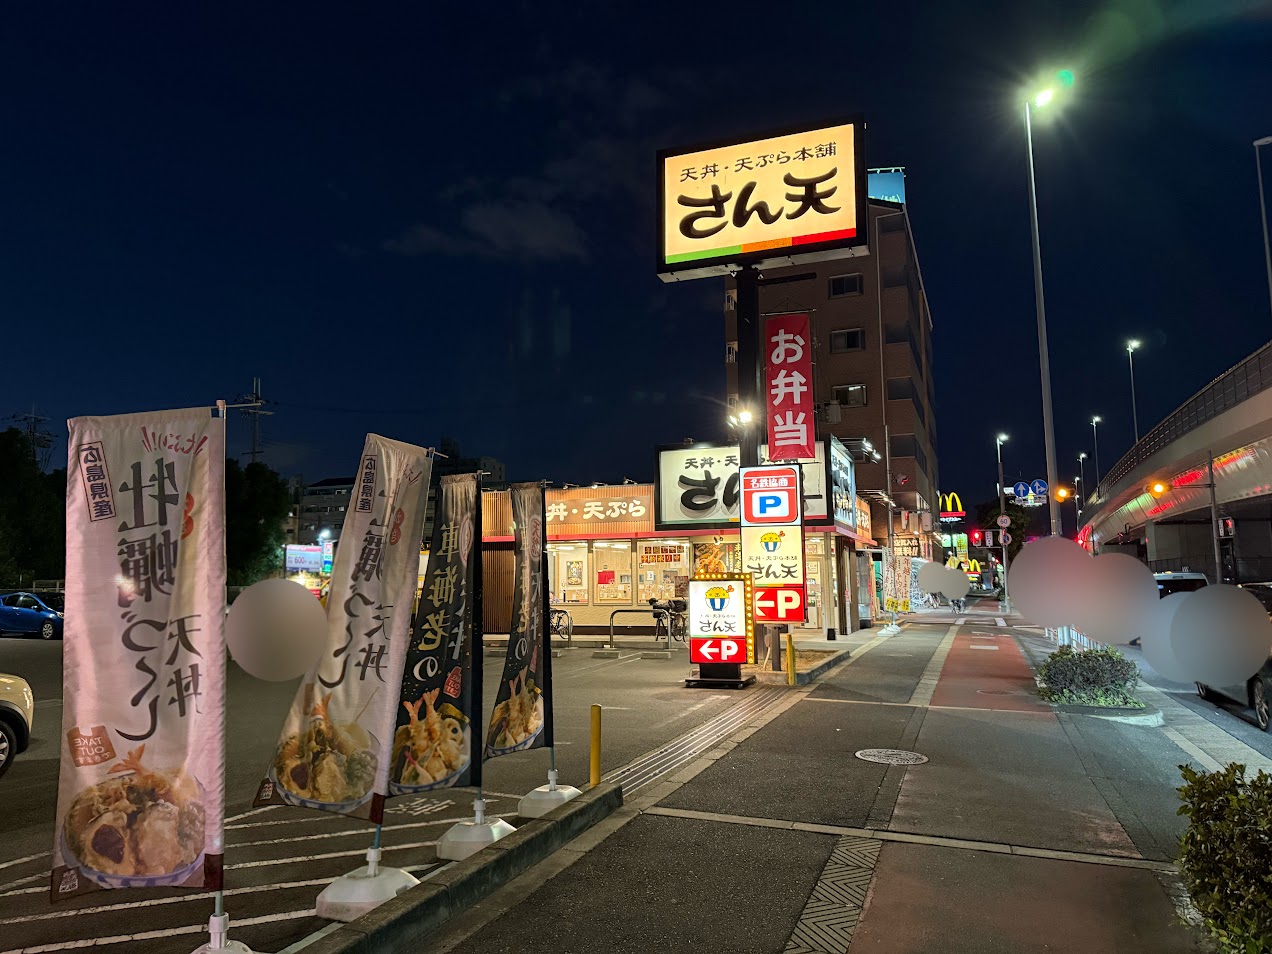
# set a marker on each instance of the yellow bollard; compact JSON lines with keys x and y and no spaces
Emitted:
{"x":596,"y":746}
{"x":790,"y":658}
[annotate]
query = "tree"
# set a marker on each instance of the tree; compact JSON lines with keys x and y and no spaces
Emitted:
{"x":32,"y":515}
{"x":1021,"y":523}
{"x":257,"y":502}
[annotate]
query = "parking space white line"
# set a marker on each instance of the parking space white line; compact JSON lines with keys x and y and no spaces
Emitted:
{"x":366,"y":832}
{"x":254,"y":811}
{"x":982,"y":646}
{"x":22,"y":861}
{"x":358,"y":853}
{"x":182,"y":899}
{"x":4,"y":888}
{"x":153,"y":935}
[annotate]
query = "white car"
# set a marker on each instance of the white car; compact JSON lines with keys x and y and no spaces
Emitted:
{"x":17,"y":710}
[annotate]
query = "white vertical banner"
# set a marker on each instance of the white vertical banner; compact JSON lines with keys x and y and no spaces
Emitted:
{"x":335,"y":747}
{"x":141,"y":786}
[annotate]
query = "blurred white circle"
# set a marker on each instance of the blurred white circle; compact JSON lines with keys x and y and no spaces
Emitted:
{"x":955,"y":583}
{"x":1155,"y":639}
{"x":276,"y":630}
{"x":931,"y":576}
{"x":1221,"y":635}
{"x":1120,"y":598}
{"x":1048,"y":578}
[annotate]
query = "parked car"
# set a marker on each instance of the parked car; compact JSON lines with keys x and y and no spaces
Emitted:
{"x":17,"y":710}
{"x":38,"y":614}
{"x":1170,"y":582}
{"x":1255,"y":692}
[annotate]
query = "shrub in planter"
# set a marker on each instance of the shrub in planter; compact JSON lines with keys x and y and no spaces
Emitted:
{"x":1093,"y":677}
{"x":1226,"y":855}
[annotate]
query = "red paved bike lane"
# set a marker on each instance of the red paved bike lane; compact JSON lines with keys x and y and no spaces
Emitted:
{"x":987,"y":671}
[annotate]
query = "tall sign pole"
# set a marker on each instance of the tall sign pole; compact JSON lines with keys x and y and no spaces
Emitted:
{"x":750,"y":364}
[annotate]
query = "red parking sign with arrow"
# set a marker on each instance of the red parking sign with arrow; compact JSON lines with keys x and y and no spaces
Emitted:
{"x":779,"y":604}
{"x":717,"y":650}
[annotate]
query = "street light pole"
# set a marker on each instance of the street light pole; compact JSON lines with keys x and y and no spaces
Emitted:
{"x":1095,"y":435}
{"x":1048,"y":427}
{"x":1130,"y":356}
{"x":1081,"y":476}
{"x":1263,"y":212}
{"x":1002,"y":509}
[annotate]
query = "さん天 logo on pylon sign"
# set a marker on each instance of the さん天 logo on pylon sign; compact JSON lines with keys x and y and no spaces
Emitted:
{"x":771,"y":541}
{"x":720,"y":613}
{"x":770,"y":495}
{"x":718,"y":597}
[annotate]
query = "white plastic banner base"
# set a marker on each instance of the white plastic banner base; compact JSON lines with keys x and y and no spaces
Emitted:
{"x":353,"y":895}
{"x":218,"y":928}
{"x":470,"y":836}
{"x":543,"y":799}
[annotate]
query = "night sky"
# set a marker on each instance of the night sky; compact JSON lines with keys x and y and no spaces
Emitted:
{"x":439,"y":221}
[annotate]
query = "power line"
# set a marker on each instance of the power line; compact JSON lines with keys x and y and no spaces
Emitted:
{"x":253,"y":403}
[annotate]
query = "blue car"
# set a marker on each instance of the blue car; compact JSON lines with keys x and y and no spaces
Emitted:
{"x":37,"y":614}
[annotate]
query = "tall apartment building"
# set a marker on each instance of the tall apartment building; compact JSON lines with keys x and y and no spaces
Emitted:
{"x":872,"y":369}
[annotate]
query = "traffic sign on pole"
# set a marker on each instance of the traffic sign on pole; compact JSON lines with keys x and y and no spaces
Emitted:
{"x":1020,"y":489}
{"x":717,"y":650}
{"x":1039,"y":487}
{"x":770,"y":495}
{"x":1003,"y":521}
{"x":1006,"y":538}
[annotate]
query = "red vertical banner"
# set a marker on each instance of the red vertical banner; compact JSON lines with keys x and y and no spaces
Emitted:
{"x":788,"y":388}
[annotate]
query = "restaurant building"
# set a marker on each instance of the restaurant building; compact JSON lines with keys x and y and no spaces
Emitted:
{"x":614,"y":548}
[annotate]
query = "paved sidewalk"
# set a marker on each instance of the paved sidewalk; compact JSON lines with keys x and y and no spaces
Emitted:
{"x":1017,"y":833}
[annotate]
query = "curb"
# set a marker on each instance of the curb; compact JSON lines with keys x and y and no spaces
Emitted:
{"x":804,"y":678}
{"x":410,"y":921}
{"x":1146,"y":716}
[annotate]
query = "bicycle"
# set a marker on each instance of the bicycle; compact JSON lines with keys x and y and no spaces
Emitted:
{"x":560,"y":624}
{"x":669,"y":620}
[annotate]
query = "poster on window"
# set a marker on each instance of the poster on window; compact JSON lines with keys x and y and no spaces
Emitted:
{"x":334,"y":750}
{"x":433,"y":740}
{"x":518,"y":719}
{"x":141,"y":781}
{"x":788,"y":387}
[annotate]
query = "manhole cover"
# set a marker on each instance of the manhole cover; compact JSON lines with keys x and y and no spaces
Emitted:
{"x":891,"y":756}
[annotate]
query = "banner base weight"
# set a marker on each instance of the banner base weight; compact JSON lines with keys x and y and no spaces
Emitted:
{"x":543,"y":799}
{"x":471,"y":835}
{"x":218,"y":927}
{"x":353,"y":895}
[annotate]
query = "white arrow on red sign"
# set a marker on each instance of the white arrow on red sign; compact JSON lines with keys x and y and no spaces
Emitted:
{"x":715,"y":650}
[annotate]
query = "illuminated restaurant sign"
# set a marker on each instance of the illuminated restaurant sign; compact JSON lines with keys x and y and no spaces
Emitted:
{"x":798,"y":196}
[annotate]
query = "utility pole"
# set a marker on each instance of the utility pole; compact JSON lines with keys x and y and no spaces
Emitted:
{"x":38,"y":439}
{"x":251,"y":404}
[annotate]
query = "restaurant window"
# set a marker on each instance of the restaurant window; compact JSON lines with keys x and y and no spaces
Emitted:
{"x":663,"y":569}
{"x":612,"y":568}
{"x":568,"y":572}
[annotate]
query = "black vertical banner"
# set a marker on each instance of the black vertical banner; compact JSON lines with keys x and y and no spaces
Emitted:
{"x":517,"y":722}
{"x":476,"y":703}
{"x":441,"y":681}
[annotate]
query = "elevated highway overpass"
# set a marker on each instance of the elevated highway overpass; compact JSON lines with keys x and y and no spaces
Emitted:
{"x":1228,"y":421}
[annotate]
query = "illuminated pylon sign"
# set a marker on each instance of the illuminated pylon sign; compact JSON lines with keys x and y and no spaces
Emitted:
{"x":952,"y":507}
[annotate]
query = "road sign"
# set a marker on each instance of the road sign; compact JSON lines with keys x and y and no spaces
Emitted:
{"x":1020,"y":489}
{"x":770,"y":495}
{"x":717,"y":650}
{"x":1003,"y":521}
{"x":1006,"y":538}
{"x":779,"y":604}
{"x":1039,"y":487}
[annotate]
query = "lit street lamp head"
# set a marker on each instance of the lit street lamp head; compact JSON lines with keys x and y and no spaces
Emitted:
{"x":1082,"y":456}
{"x":1043,"y":98}
{"x":1097,"y":419}
{"x":1002,"y":438}
{"x":1132,"y":344}
{"x":744,"y":416}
